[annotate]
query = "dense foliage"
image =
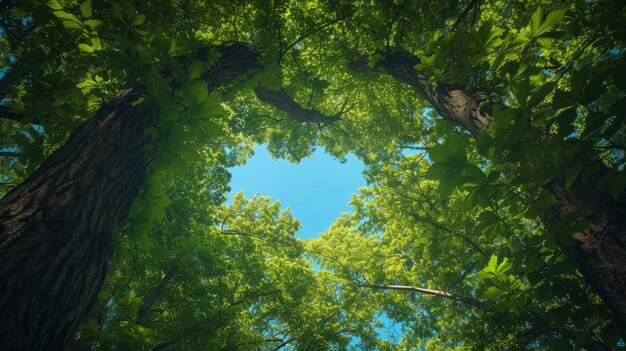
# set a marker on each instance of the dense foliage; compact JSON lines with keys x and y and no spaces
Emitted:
{"x":493,"y":134}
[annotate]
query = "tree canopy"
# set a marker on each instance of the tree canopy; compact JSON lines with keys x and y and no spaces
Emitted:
{"x":493,"y":135}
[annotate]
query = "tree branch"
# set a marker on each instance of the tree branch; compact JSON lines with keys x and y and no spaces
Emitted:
{"x":154,"y":294}
{"x":9,"y":154}
{"x":282,"y":101}
{"x":6,"y":113}
{"x":467,"y":300}
{"x":457,"y":105}
{"x":308,"y":34}
{"x":238,"y":233}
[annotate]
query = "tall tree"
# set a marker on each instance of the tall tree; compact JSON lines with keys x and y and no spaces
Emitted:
{"x":452,"y":283}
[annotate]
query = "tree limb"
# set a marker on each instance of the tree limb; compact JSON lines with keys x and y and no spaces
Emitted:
{"x":440,"y":293}
{"x":9,"y":154}
{"x":282,"y":101}
{"x":156,"y":291}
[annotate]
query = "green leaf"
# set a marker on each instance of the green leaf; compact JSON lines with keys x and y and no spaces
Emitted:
{"x":493,"y":292}
{"x":85,"y":48}
{"x":138,"y":20}
{"x":564,"y":121}
{"x":504,"y":267}
{"x":594,"y":89}
{"x":443,"y":171}
{"x":571,"y":173}
{"x":71,"y":24}
{"x":194,"y":70}
{"x":551,"y":19}
{"x":67,"y":16}
{"x":198,"y":89}
{"x":116,"y":11}
{"x":521,"y":90}
{"x":20,"y":12}
{"x":93,"y":23}
{"x":53,"y":4}
{"x":138,"y":101}
{"x":169,"y":113}
{"x":540,"y":25}
{"x":541,"y":94}
{"x":85,"y":9}
{"x":536,"y":20}
{"x":188,"y":153}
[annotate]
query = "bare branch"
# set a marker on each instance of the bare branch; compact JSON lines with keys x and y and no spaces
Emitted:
{"x":154,"y":294}
{"x":9,"y":154}
{"x":467,"y":300}
{"x":238,"y":233}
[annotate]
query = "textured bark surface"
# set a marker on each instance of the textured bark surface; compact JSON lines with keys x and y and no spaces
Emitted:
{"x":282,"y":101}
{"x":236,"y":59}
{"x":600,"y":250}
{"x":55,"y":226}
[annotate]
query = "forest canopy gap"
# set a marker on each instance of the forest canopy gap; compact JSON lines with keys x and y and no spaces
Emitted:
{"x":492,"y":132}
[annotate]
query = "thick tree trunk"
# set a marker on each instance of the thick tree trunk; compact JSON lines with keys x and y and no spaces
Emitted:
{"x":600,"y":250}
{"x":55,"y":226}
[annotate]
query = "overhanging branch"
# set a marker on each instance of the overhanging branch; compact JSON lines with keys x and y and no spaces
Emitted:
{"x":440,"y":293}
{"x":459,"y":106}
{"x":282,"y":101}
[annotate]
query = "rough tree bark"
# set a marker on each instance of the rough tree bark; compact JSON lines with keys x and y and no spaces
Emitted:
{"x":55,"y":226}
{"x":600,"y":250}
{"x":282,"y":101}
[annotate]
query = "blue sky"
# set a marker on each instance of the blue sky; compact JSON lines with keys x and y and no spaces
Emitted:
{"x":317,"y":190}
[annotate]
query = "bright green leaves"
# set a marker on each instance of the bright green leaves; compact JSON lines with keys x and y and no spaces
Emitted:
{"x":137,"y":20}
{"x":90,"y":48}
{"x":507,"y":290}
{"x":68,"y":20}
{"x":203,"y":111}
{"x":450,"y":165}
{"x":493,"y":269}
{"x":540,"y":24}
{"x":148,"y":207}
{"x":194,"y":70}
{"x":486,"y":39}
{"x":85,"y":9}
{"x":95,"y":90}
{"x":126,"y":332}
{"x":83,"y":22}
